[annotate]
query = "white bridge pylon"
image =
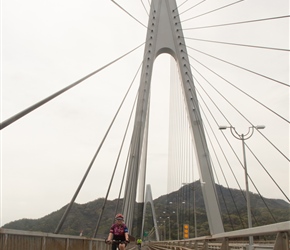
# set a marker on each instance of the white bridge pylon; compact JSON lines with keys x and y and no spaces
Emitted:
{"x":148,"y":198}
{"x":165,"y":35}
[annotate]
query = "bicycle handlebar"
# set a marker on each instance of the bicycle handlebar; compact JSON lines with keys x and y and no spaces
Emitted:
{"x":117,"y":241}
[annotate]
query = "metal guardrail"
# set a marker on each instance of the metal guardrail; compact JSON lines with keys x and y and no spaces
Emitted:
{"x":229,"y":240}
{"x":26,"y":240}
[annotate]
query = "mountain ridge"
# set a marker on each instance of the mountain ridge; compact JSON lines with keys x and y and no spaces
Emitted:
{"x":83,"y":217}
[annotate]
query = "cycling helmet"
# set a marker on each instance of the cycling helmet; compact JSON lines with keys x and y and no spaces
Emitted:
{"x":119,"y":216}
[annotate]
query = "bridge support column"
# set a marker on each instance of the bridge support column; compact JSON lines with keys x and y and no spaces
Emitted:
{"x":225,"y":244}
{"x":148,"y":198}
{"x":205,"y":245}
{"x":165,"y":35}
{"x":195,"y":245}
{"x":282,"y":241}
{"x":43,"y":243}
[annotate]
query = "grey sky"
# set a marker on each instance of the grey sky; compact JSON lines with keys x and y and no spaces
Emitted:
{"x":47,"y":45}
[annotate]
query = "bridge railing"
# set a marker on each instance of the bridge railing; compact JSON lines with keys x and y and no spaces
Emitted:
{"x":233,"y":240}
{"x":26,"y":240}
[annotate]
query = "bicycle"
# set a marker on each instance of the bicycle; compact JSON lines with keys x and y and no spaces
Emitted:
{"x":116,"y":243}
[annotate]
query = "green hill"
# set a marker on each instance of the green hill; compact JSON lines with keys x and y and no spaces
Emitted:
{"x":84,"y":217}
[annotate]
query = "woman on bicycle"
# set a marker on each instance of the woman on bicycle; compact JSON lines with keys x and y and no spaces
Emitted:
{"x":119,"y":234}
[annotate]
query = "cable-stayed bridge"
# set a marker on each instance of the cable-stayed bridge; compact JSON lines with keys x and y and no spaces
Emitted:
{"x":227,"y":72}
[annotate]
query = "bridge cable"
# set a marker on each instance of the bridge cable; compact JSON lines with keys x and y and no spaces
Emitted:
{"x":216,"y":177}
{"x":228,"y":5}
{"x":216,"y":122}
{"x":180,"y":149}
{"x":237,"y":44}
{"x":118,"y":157}
{"x":126,"y":164}
{"x":175,"y":134}
{"x":144,"y":8}
{"x":185,"y":193}
{"x":243,"y":115}
{"x":253,"y":72}
{"x":122,"y":182}
{"x":286,"y":197}
{"x":89,"y":167}
{"x":250,"y":178}
{"x":133,"y":172}
{"x":235,"y":23}
{"x":231,"y":194}
{"x":179,"y":5}
{"x":180,"y":13}
{"x":228,"y":162}
{"x":129,"y":14}
{"x":37,"y":105}
{"x":174,"y":172}
{"x":249,"y":96}
{"x":242,"y":165}
{"x":259,"y":192}
{"x":199,"y":128}
{"x":254,"y":99}
{"x":262,"y":198}
{"x":214,"y":169}
{"x":213,"y":102}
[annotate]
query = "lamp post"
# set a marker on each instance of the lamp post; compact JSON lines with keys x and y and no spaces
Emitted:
{"x":168,"y":217}
{"x":194,"y":214}
{"x":164,"y":235}
{"x":169,"y":232}
{"x":177,"y":218}
{"x":244,"y":137}
{"x":160,"y":234}
{"x":164,"y":229}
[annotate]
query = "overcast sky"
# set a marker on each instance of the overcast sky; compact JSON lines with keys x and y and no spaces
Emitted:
{"x":47,"y":45}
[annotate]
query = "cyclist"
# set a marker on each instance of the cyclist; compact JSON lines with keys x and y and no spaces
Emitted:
{"x":139,"y":243}
{"x":119,"y":233}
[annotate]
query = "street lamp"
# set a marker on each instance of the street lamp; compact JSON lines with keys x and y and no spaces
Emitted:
{"x":244,"y":137}
{"x":164,"y":229}
{"x":177,"y":218}
{"x":183,"y":217}
{"x":169,"y":232}
{"x":168,"y":217}
{"x":164,"y":226}
{"x":194,"y":213}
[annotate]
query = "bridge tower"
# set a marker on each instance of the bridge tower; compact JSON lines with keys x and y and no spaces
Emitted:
{"x":165,"y":35}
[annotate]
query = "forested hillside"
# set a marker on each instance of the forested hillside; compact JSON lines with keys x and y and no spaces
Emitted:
{"x":84,"y":217}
